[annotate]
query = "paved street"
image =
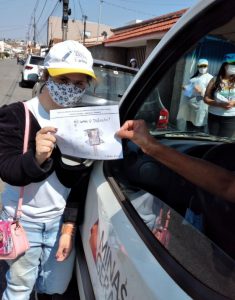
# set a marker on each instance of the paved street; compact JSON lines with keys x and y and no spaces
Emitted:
{"x":11,"y":91}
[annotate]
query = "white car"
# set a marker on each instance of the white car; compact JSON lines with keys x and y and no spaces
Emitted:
{"x":137,"y":240}
{"x":30,"y":69}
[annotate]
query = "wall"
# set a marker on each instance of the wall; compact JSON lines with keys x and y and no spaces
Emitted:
{"x":119,"y":55}
{"x":150,"y":45}
{"x":113,"y":54}
{"x":75,"y":29}
{"x":138,"y":53}
{"x":1,"y":46}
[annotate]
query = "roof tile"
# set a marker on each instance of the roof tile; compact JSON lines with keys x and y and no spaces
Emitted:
{"x":159,"y":24}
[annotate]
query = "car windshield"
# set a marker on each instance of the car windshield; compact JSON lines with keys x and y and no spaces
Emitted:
{"x":34,"y":60}
{"x":111,"y":82}
{"x":195,"y":96}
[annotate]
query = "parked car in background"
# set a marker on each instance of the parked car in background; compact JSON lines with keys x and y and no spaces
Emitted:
{"x":30,"y":69}
{"x":111,"y":82}
{"x":136,"y":240}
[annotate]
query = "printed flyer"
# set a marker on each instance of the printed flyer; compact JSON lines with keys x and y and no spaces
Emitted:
{"x":88,"y":132}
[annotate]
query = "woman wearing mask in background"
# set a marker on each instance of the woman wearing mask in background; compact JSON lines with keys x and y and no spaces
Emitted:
{"x":220,"y":96}
{"x":52,"y":189}
{"x":133,"y":63}
{"x":196,"y":111}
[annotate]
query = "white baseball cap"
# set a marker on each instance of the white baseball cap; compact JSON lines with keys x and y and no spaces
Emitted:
{"x":132,"y":60}
{"x":69,"y":57}
{"x":202,"y":61}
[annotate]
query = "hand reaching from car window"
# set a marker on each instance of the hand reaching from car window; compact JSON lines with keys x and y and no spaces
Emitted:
{"x":137,"y":131}
{"x":216,"y":180}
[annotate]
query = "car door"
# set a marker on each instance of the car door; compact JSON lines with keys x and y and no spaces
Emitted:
{"x":137,"y":240}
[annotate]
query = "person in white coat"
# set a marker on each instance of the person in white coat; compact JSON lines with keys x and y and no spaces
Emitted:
{"x":195,"y":110}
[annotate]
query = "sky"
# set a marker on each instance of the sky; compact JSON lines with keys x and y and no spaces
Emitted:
{"x":16,"y":16}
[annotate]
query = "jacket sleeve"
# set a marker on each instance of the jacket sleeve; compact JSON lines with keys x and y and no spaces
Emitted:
{"x":74,"y":210}
{"x":17,"y":168}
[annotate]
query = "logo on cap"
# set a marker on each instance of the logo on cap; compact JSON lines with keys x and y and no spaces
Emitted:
{"x":77,"y":56}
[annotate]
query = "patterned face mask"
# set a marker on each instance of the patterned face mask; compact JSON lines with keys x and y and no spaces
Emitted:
{"x":64,"y":94}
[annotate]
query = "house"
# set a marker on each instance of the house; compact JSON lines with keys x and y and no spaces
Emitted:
{"x":135,"y":40}
{"x":6,"y":50}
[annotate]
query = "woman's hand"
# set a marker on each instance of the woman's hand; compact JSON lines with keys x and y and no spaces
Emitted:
{"x":227,"y":105}
{"x":66,"y":241}
{"x":232,"y":103}
{"x":197,"y":89}
{"x":45,"y":142}
{"x":65,"y":247}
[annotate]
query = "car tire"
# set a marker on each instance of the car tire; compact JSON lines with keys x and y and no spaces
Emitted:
{"x":23,"y":82}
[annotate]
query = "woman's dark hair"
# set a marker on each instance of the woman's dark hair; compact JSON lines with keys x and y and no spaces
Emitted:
{"x":45,"y":75}
{"x":195,"y":75}
{"x":220,"y":76}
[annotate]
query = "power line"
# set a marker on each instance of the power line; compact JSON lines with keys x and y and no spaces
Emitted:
{"x":155,"y":3}
{"x":45,"y":23}
{"x":42,"y":11}
{"x":36,"y":5}
{"x":82,"y":12}
{"x":29,"y":28}
{"x":75,"y":17}
{"x":32,"y":23}
{"x":129,"y":9}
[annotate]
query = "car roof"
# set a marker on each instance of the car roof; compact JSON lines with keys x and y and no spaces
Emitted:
{"x":38,"y":56}
{"x":28,"y":59}
{"x":115,"y":66}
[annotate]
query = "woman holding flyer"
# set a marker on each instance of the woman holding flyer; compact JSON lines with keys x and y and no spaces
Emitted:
{"x":220,"y":96}
{"x":53,"y":191}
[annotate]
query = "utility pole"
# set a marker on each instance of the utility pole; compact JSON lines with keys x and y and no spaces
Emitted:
{"x":98,"y":26}
{"x":34,"y":31}
{"x":84,"y":30}
{"x":51,"y":30}
{"x":65,"y":19}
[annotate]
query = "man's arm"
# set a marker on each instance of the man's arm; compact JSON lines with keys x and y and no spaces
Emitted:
{"x":207,"y":176}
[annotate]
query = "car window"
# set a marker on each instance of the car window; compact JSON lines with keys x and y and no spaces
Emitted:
{"x":187,"y":244}
{"x":195,"y":228}
{"x":36,"y":60}
{"x":175,"y":104}
{"x":111,"y":83}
